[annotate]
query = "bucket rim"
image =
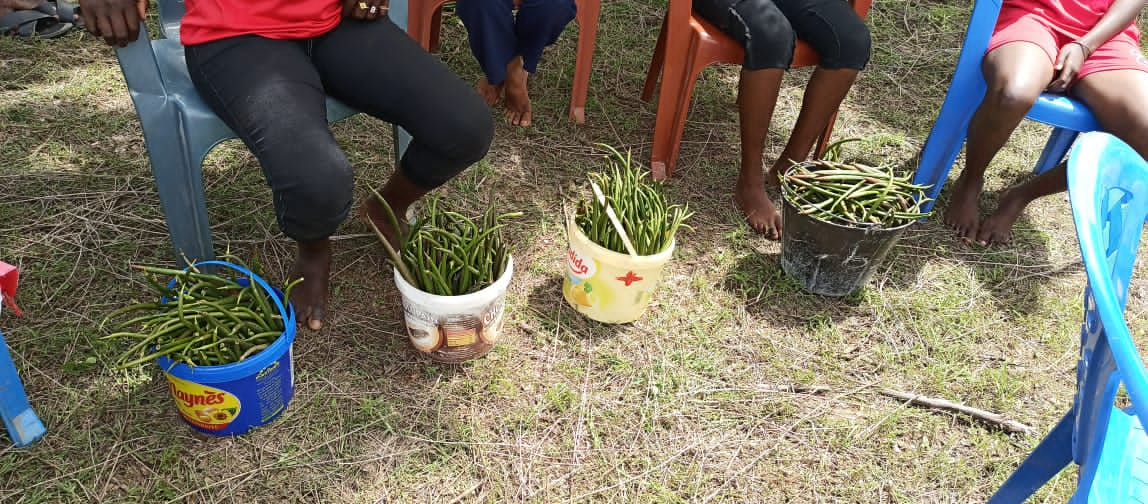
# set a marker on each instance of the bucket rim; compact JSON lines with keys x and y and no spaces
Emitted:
{"x":502,"y":283}
{"x":860,"y":226}
{"x":662,"y":256}
{"x":240,"y":369}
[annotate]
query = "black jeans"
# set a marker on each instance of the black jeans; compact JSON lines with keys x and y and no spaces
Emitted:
{"x":271,"y":92}
{"x":768,"y":29}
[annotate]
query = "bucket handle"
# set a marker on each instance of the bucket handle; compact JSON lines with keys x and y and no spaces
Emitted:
{"x":288,"y":320}
{"x":614,"y":219}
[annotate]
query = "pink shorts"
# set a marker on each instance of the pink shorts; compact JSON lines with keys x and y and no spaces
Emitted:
{"x":1122,"y":52}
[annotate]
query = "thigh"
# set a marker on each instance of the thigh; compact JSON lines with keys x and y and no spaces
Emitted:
{"x":258,"y":86}
{"x":1022,"y":69}
{"x":1119,"y":100}
{"x":741,"y":19}
{"x":824,"y":24}
{"x":378,"y":69}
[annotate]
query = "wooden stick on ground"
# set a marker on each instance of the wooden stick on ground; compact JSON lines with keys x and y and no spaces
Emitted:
{"x":983,"y":416}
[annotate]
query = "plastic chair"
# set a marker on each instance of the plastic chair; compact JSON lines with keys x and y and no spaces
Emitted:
{"x":1108,"y":189}
{"x":24,"y":427}
{"x":694,"y":44}
{"x":180,"y":129}
{"x":967,"y":89}
{"x":424,"y":21}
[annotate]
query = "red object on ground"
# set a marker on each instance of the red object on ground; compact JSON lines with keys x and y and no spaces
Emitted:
{"x":9,"y":278}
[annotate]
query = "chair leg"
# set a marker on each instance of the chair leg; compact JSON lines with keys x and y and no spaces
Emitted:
{"x":1059,"y":141}
{"x":674,"y":97}
{"x":1053,"y":454}
{"x":435,"y":29}
{"x":179,"y":182}
{"x":951,"y":127}
{"x":588,"y":11}
{"x":24,"y":427}
{"x":656,"y":62}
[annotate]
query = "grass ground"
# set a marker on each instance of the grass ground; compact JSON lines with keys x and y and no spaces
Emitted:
{"x":736,"y":386}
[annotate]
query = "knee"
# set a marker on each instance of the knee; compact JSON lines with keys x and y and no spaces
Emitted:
{"x":853,"y":48}
{"x":464,"y":137}
{"x":1013,"y":95}
{"x":312,"y":206}
{"x":769,"y":41}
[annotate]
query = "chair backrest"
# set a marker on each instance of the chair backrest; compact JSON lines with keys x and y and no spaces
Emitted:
{"x":1108,"y":189}
{"x":170,"y":13}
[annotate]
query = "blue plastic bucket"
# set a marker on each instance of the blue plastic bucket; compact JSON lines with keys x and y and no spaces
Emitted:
{"x":234,"y":398}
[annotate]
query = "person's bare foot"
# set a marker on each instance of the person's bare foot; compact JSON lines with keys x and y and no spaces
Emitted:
{"x":997,"y":227}
{"x":313,"y":265}
{"x":963,"y":215}
{"x":517,"y":104}
{"x":490,"y":93}
{"x":759,"y":211}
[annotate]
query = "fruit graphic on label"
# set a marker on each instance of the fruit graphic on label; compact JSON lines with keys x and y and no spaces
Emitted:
{"x":203,"y":406}
{"x":584,"y":295}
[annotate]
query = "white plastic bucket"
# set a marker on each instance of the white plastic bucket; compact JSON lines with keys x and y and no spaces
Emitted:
{"x":455,"y":328}
{"x":608,"y":286}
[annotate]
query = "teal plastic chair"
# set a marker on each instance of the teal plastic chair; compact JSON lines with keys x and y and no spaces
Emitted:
{"x":1108,"y":189}
{"x":1068,"y":116}
{"x":180,"y":129}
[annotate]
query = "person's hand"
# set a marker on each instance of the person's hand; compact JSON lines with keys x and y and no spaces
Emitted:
{"x":1068,"y":63}
{"x":116,"y":21}
{"x":368,"y":10}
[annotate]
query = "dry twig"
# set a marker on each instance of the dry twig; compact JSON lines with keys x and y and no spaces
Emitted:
{"x":987,"y":417}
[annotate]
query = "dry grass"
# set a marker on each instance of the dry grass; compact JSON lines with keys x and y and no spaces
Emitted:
{"x":702,"y":400}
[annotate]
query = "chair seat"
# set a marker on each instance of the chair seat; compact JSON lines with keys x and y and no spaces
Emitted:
{"x":1122,"y":473}
{"x":1063,"y":112}
{"x":209,"y":129}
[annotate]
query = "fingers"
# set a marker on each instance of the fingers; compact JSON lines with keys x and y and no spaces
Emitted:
{"x":120,"y":30}
{"x":367,"y":10}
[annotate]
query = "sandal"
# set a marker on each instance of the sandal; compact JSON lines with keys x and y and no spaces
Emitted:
{"x":33,"y":23}
{"x":66,"y":12}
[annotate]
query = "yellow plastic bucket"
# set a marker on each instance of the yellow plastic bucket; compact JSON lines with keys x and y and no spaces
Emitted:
{"x":608,"y":286}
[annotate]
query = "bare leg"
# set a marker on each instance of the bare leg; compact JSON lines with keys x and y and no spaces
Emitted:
{"x":1016,"y":74}
{"x":756,"y":96}
{"x":823,"y":95}
{"x":518,"y":110}
{"x":1119,"y":100}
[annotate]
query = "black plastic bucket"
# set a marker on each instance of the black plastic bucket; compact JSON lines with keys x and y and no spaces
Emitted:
{"x":829,"y":259}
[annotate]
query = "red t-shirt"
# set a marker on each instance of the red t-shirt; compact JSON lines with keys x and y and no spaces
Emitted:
{"x":208,"y":20}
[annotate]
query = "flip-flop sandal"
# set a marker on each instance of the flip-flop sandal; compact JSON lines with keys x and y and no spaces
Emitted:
{"x":32,"y":23}
{"x":67,"y":12}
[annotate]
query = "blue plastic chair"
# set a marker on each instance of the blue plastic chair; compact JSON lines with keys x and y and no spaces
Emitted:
{"x":966,"y":91}
{"x":180,"y":129}
{"x":24,"y":427}
{"x":1108,"y":189}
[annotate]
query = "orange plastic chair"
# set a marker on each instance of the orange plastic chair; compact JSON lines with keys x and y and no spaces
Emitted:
{"x":694,"y":44}
{"x":424,"y":21}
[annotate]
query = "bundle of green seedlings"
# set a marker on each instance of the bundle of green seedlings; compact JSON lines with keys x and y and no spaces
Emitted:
{"x":639,"y":204}
{"x":447,"y":253}
{"x":853,"y":194}
{"x":200,"y":319}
